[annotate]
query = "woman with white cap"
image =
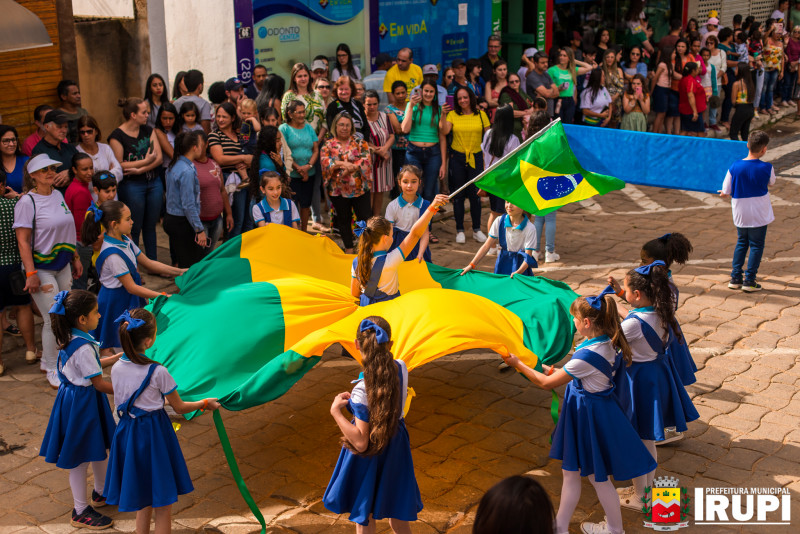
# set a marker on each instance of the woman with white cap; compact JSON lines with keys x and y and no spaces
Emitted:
{"x":45,"y":232}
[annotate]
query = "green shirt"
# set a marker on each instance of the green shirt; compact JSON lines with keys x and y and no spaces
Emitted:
{"x":563,"y":80}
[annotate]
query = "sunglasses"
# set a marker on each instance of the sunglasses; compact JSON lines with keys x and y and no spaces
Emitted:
{"x":106,"y":176}
{"x":323,"y":87}
{"x":87,"y":131}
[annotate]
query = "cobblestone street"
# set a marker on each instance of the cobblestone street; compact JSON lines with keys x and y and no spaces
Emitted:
{"x":472,"y":424}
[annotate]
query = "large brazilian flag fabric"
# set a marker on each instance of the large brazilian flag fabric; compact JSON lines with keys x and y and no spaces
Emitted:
{"x":543,"y":174}
{"x":254,"y":316}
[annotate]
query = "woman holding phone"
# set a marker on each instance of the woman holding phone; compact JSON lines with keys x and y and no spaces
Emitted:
{"x":636,"y":104}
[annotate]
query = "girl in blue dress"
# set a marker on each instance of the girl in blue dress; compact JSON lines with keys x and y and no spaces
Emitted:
{"x":652,"y":394}
{"x":517,"y":238}
{"x":118,"y":268}
{"x":593,"y":438}
{"x":407,"y":209}
{"x":374,"y":476}
{"x":374,"y":271}
{"x":81,"y":427}
{"x":146,"y":469}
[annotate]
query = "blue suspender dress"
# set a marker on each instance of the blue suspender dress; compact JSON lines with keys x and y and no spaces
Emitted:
{"x":112,"y":302}
{"x":593,"y":435}
{"x":508,"y":262}
{"x":678,"y":352}
{"x":399,"y":235}
{"x":287,"y":215}
{"x":145,"y":466}
{"x":652,"y":395}
{"x":81,"y":426}
{"x":383,"y":484}
{"x":371,"y":293}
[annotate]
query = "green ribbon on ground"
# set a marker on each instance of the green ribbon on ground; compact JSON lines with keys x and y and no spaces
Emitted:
{"x":553,"y":410}
{"x":234,"y":467}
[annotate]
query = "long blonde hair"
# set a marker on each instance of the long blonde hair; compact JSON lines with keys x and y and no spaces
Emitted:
{"x":571,"y":66}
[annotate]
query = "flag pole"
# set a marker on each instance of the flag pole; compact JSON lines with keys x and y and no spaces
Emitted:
{"x":507,"y":156}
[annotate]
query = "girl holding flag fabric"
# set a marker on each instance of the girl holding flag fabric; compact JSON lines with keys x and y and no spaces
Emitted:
{"x":593,"y":437}
{"x":374,"y":272}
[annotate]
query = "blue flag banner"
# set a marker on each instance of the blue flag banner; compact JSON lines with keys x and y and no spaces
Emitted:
{"x":658,"y":160}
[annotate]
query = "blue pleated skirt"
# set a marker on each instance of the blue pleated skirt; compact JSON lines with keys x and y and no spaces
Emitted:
{"x":382,"y":485}
{"x":508,"y":262}
{"x":80,"y":429}
{"x":397,"y":238}
{"x":653,"y":398}
{"x":145,"y":466}
{"x":111,"y":303}
{"x":682,"y":360}
{"x":593,"y":436}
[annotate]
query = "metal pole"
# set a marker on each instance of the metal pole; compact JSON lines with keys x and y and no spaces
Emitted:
{"x":506,"y":157}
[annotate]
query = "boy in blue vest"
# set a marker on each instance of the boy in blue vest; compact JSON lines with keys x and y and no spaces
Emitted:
{"x":747,"y":183}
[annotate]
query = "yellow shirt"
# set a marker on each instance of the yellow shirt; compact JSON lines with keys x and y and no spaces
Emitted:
{"x":468,"y":133}
{"x":411,"y":77}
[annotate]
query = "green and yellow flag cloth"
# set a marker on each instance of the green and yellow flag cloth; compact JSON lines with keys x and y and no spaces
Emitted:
{"x":252,"y":318}
{"x":543,"y":174}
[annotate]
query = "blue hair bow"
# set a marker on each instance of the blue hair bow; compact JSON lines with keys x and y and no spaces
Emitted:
{"x":58,"y":303}
{"x":98,"y":213}
{"x":645,"y":269}
{"x":132,"y":322}
{"x":262,"y":171}
{"x":361,"y":226}
{"x":665,"y":237}
{"x":597,"y":302}
{"x":380,"y":334}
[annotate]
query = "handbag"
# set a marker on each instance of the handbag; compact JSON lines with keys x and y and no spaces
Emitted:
{"x":18,"y":279}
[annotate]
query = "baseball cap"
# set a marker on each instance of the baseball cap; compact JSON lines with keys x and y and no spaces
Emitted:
{"x":232,"y":84}
{"x":42,"y":161}
{"x":460,"y":61}
{"x":713,"y":20}
{"x":55,"y":115}
{"x":382,"y":58}
{"x":318,"y":64}
{"x":430,"y":69}
{"x":530,"y":52}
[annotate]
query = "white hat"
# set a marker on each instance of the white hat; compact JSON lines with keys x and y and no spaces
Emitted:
{"x":42,"y":161}
{"x":530,"y":52}
{"x":318,"y":64}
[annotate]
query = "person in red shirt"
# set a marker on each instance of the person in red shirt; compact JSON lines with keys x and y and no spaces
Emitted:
{"x":78,"y":198}
{"x":36,"y":136}
{"x":692,"y":102}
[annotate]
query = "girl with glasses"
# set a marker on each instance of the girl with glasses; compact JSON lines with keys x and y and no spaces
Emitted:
{"x":13,"y":159}
{"x":344,"y":64}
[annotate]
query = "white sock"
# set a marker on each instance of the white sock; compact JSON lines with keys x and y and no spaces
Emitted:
{"x":99,"y":472}
{"x":570,"y":494}
{"x":77,"y":483}
{"x":609,"y":500}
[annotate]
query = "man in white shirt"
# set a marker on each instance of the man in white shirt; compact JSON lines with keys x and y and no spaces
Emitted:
{"x":383,"y":62}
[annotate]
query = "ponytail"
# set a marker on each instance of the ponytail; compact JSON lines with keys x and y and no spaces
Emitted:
{"x":606,"y":320}
{"x":132,"y":340}
{"x":381,"y":384}
{"x":669,"y":248}
{"x":658,"y":289}
{"x":184,"y":142}
{"x":110,"y":212}
{"x":77,"y":303}
{"x":374,"y":229}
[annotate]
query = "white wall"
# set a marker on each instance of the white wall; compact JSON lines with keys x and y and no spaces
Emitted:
{"x":200,"y":35}
{"x":103,"y":8}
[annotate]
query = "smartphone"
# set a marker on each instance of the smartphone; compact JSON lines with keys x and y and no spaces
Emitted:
{"x":450,"y":100}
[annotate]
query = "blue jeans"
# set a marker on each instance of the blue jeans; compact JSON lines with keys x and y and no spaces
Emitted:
{"x":429,"y":159}
{"x":549,"y":222}
{"x":787,"y":84}
{"x":144,"y":199}
{"x":754,"y":239}
{"x":242,"y":220}
{"x":213,"y":233}
{"x":770,"y":79}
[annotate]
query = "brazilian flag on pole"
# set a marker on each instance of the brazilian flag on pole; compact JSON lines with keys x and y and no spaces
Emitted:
{"x":543,"y":174}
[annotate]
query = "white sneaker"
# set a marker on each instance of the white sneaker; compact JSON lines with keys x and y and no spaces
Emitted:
{"x":52,"y":377}
{"x":670,"y":435}
{"x":535,"y":255}
{"x":595,"y":528}
{"x":550,"y":257}
{"x":461,"y":238}
{"x":626,"y":491}
{"x":30,"y":356}
{"x":631,"y":501}
{"x":493,"y":251}
{"x":479,"y":236}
